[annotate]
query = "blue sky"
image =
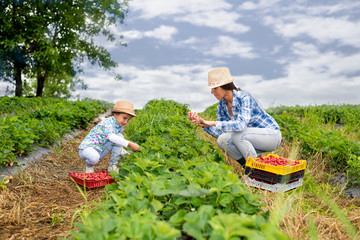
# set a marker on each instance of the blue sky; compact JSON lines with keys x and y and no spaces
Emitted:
{"x":299,"y":52}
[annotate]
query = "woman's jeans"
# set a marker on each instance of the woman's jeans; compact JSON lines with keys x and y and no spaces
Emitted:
{"x":250,"y":142}
{"x":92,"y":156}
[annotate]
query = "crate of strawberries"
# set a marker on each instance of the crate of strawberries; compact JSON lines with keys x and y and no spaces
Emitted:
{"x":275,"y":164}
{"x":274,"y":173}
{"x":92,"y":180}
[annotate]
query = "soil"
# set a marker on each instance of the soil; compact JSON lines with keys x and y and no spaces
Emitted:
{"x":40,"y":201}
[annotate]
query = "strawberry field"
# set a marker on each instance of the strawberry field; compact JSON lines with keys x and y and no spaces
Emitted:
{"x":180,"y":185}
{"x":40,"y":121}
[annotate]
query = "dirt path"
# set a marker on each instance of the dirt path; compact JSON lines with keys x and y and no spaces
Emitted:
{"x":40,"y":202}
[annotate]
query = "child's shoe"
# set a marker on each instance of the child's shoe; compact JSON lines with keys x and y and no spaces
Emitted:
{"x":113,"y":168}
{"x":89,"y":169}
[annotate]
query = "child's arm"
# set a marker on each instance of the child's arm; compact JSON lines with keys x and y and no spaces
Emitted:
{"x":123,"y":142}
{"x":118,"y":140}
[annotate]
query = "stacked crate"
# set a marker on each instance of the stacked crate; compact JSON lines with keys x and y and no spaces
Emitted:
{"x":274,"y":178}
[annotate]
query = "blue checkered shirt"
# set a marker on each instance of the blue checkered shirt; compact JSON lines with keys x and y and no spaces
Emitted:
{"x":247,"y":113}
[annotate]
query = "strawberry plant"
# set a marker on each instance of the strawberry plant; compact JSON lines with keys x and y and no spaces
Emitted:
{"x":41,"y":121}
{"x":177,"y":182}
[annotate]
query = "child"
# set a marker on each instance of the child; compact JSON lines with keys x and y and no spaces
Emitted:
{"x":107,"y":137}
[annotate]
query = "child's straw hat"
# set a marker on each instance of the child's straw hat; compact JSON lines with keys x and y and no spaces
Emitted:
{"x":218,"y":77}
{"x":124,"y":107}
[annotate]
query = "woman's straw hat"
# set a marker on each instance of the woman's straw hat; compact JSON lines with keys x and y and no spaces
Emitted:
{"x":124,"y":107}
{"x":218,"y":77}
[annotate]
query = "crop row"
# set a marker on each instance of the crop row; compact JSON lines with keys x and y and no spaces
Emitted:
{"x":313,"y":127}
{"x":176,"y":187}
{"x":345,"y":115}
{"x":33,"y":121}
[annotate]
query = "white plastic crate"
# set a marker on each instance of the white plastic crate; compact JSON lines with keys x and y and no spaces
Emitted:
{"x":278,"y":187}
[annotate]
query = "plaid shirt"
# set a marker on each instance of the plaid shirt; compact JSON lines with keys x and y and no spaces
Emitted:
{"x":247,"y":113}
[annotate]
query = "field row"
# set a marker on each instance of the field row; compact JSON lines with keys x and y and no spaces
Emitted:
{"x":41,"y":121}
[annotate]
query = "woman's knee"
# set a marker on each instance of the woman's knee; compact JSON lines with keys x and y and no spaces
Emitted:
{"x":223,"y":140}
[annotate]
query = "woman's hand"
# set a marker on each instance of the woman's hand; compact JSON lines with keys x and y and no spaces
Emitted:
{"x":203,"y":123}
{"x":135,"y":147}
{"x":196,"y":119}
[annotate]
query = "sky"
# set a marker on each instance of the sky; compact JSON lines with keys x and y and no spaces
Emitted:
{"x":299,"y":52}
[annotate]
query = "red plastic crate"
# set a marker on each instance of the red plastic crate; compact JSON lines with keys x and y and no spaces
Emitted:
{"x":91,"y":183}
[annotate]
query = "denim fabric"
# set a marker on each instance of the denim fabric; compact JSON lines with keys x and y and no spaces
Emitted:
{"x":250,"y":142}
{"x":92,"y":156}
{"x":247,"y":113}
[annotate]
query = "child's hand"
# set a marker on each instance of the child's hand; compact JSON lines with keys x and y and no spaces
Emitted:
{"x":135,"y":147}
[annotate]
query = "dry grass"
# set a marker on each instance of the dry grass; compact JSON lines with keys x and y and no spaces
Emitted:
{"x":300,"y":213}
{"x":302,"y":210}
{"x":40,"y":202}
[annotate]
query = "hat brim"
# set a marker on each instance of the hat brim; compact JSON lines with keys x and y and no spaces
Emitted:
{"x":117,"y":110}
{"x":221,"y":84}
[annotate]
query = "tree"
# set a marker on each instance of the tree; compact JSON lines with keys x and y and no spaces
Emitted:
{"x":54,"y":37}
{"x":12,"y":59}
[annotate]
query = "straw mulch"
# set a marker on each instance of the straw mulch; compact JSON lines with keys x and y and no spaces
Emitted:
{"x":40,"y":202}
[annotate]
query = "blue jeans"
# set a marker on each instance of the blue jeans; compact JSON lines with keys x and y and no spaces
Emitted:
{"x":250,"y":142}
{"x":92,"y":156}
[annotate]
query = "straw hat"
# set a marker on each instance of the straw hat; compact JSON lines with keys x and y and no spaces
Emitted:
{"x":218,"y":77}
{"x":124,"y":107}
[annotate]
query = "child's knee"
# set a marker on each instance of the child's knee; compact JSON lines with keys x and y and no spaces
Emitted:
{"x":91,"y":156}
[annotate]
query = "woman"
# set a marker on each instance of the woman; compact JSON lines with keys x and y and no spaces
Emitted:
{"x":242,"y":128}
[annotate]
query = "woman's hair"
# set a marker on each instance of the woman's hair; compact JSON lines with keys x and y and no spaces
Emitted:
{"x":230,"y":86}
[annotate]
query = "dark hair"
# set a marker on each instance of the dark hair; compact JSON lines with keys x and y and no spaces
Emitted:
{"x":230,"y":86}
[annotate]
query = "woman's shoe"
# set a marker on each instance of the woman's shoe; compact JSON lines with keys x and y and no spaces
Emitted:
{"x":242,"y":162}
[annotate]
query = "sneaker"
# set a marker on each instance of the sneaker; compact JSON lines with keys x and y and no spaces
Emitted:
{"x":113,"y":168}
{"x":89,"y":169}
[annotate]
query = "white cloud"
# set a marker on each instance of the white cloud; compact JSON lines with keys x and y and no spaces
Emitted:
{"x":132,"y":35}
{"x":209,"y":13}
{"x":331,"y":9}
{"x":326,"y":65}
{"x":164,"y":33}
{"x":182,"y":83}
{"x":226,"y":21}
{"x":190,"y":41}
{"x":229,"y":47}
{"x":4,"y":86}
{"x":159,"y":8}
{"x":325,"y":30}
{"x":314,"y":77}
{"x":260,"y":5}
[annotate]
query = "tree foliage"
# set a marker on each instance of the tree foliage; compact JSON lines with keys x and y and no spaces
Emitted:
{"x":48,"y":40}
